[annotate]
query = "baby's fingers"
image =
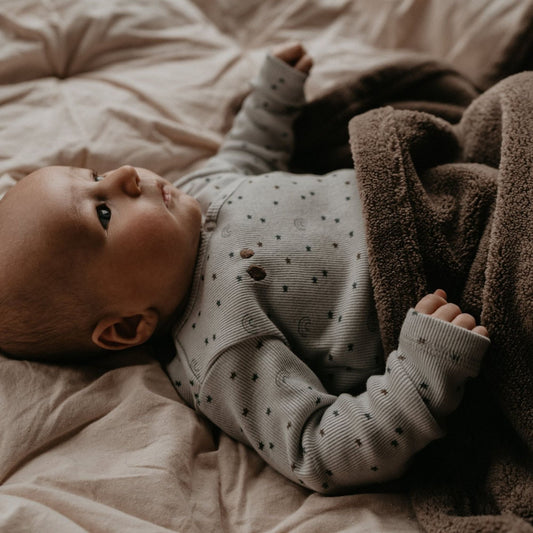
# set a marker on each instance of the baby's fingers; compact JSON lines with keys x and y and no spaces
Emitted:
{"x":431,"y":302}
{"x":448,"y":312}
{"x":467,"y":321}
{"x":436,"y":305}
{"x":289,"y":52}
{"x":481,"y":330}
{"x":304,"y":64}
{"x":464,"y":320}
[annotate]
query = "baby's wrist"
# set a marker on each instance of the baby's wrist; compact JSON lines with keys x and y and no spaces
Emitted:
{"x":456,"y":346}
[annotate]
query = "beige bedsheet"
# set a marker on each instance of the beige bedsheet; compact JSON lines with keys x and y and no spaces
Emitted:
{"x":99,"y":83}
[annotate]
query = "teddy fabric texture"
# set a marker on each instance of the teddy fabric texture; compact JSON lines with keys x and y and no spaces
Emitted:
{"x":461,"y":198}
{"x":450,"y":205}
{"x":279,"y":344}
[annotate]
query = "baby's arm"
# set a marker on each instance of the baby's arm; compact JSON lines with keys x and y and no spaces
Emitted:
{"x":262,"y":394}
{"x":439,"y":347}
{"x":261,"y":139}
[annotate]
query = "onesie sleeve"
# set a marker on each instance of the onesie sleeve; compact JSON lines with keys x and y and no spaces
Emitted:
{"x":262,"y":394}
{"x":261,"y":139}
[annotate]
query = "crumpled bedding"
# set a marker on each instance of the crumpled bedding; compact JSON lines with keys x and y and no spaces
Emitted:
{"x":111,"y":447}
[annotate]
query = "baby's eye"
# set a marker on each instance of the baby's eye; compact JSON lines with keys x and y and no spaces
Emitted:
{"x":104,"y":215}
{"x":96,"y":176}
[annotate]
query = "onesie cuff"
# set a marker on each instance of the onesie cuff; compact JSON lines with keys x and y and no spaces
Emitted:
{"x":281,"y":82}
{"x":453,"y":345}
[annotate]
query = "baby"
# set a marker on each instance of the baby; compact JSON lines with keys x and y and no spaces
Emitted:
{"x":260,"y":276}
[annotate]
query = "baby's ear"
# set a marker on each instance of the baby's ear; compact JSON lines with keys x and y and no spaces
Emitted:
{"x":119,"y":333}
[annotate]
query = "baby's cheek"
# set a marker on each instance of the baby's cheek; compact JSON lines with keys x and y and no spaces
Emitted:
{"x":146,"y":225}
{"x":156,"y":238}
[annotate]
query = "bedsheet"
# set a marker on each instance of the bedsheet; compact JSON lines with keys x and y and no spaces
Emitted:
{"x":111,"y":447}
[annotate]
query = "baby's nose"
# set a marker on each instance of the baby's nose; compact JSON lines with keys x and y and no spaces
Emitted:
{"x":126,"y":179}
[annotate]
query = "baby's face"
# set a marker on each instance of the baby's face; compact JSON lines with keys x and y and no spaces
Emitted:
{"x":133,"y":234}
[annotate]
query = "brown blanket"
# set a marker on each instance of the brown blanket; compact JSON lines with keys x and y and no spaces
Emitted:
{"x":451,"y":205}
{"x":412,"y":82}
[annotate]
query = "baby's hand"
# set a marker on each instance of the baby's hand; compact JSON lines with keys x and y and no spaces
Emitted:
{"x":436,"y":305}
{"x":295,"y":55}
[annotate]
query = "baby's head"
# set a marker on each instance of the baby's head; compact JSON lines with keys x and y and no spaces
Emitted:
{"x":92,"y":262}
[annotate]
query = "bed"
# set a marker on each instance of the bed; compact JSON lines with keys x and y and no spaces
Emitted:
{"x":110,"y":446}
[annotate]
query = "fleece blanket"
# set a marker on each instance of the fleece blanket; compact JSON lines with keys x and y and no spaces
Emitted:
{"x":452,"y":206}
{"x":448,"y":203}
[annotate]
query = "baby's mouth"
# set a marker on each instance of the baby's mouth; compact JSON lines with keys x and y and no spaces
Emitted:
{"x":166,"y":194}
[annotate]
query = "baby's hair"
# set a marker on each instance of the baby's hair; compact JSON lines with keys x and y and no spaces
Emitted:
{"x":41,"y":324}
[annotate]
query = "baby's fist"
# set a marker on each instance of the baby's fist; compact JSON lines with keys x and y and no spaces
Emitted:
{"x":437,"y":306}
{"x":295,"y":55}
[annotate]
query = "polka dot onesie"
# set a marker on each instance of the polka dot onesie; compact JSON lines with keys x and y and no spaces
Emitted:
{"x":279,"y":343}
